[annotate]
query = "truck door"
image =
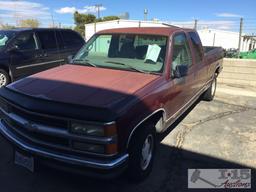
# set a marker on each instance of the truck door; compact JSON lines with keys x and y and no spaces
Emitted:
{"x":184,"y":87}
{"x":198,"y":52}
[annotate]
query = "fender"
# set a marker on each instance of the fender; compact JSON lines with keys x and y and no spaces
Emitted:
{"x":143,"y":120}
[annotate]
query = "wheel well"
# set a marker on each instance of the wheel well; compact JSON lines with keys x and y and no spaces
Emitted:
{"x":6,"y":69}
{"x":217,"y":71}
{"x":156,"y":118}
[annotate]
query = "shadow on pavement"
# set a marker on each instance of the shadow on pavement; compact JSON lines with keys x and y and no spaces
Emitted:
{"x":169,"y":174}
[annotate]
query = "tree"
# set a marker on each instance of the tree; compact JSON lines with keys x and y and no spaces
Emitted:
{"x":6,"y":26}
{"x":81,"y":20}
{"x":110,"y":18}
{"x":34,"y":23}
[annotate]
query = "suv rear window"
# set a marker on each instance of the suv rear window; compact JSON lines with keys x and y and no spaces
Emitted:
{"x":47,"y":39}
{"x":71,"y":38}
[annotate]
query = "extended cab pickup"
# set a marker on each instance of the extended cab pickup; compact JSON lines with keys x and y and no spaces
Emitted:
{"x":101,"y":114}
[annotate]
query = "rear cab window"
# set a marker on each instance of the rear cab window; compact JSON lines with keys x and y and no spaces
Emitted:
{"x":196,"y":43}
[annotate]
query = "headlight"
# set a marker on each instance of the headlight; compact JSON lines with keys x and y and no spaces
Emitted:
{"x":86,"y":129}
{"x":107,"y":130}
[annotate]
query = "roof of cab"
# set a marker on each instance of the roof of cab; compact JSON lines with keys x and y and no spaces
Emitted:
{"x":165,"y":31}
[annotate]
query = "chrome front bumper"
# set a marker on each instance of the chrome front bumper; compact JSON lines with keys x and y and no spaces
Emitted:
{"x":75,"y":160}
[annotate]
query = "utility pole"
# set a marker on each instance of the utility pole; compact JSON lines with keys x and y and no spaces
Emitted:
{"x":145,"y":14}
{"x":240,"y":36}
{"x":16,"y":14}
{"x":195,"y":24}
{"x":53,"y":24}
{"x":214,"y":36}
{"x":98,"y":6}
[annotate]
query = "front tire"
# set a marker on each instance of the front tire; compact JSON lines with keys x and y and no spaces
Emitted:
{"x":4,"y":78}
{"x":142,"y":152}
{"x":210,"y":92}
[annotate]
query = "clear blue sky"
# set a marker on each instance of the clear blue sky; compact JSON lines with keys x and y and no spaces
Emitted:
{"x":166,"y":10}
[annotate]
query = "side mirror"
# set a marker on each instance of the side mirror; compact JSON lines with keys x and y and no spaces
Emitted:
{"x":70,"y":58}
{"x":181,"y":71}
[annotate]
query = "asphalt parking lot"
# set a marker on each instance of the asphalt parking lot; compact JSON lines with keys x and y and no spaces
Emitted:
{"x":218,"y":134}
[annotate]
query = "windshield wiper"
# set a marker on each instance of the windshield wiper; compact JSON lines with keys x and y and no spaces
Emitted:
{"x":127,"y":65}
{"x":82,"y":61}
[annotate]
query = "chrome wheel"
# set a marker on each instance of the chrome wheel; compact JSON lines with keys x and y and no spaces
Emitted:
{"x":3,"y":80}
{"x":146,"y":152}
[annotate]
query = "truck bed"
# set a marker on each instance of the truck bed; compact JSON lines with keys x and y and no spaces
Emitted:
{"x":213,"y":53}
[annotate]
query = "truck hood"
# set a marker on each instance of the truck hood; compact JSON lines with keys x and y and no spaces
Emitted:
{"x":83,"y":85}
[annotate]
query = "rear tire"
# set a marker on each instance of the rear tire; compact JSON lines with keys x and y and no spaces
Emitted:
{"x":142,"y":152}
{"x":4,"y":78}
{"x":209,"y":94}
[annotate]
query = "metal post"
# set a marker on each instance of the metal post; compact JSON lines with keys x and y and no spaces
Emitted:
{"x":53,"y":24}
{"x":214,"y":36}
{"x":95,"y":30}
{"x":195,"y":24}
{"x":16,"y":14}
{"x":240,"y":36}
{"x":85,"y":32}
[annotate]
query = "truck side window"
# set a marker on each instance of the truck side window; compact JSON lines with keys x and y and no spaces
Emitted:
{"x":196,"y":46}
{"x":25,"y":41}
{"x":181,"y":51}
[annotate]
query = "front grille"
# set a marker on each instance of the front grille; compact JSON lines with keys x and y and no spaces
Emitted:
{"x":34,"y":137}
{"x":45,"y":120}
{"x":40,"y":138}
{"x":48,"y":132}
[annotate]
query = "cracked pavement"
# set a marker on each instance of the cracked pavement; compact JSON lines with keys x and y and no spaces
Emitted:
{"x":218,"y":134}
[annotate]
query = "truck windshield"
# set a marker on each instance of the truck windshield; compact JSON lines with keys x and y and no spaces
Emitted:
{"x":5,"y":36}
{"x":141,"y":53}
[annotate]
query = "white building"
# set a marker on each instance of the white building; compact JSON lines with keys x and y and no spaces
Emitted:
{"x":92,"y":28}
{"x":226,"y":39}
{"x":209,"y":37}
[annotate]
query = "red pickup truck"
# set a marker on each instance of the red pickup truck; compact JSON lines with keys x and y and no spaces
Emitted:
{"x":100,"y":115}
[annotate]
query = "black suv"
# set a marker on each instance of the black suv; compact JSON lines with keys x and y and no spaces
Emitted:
{"x":27,"y":51}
